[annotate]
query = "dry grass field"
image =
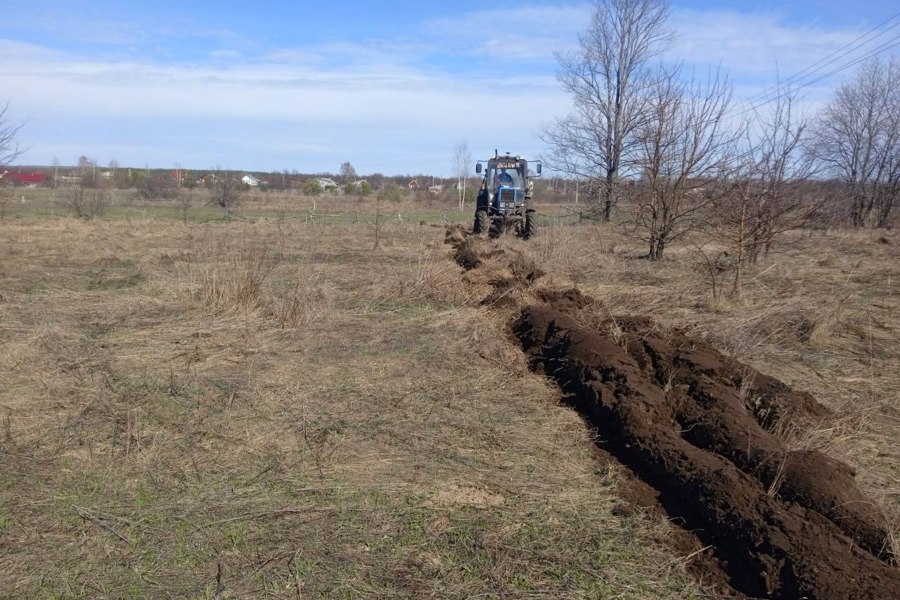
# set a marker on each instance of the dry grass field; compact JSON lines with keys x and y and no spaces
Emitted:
{"x":273,"y":408}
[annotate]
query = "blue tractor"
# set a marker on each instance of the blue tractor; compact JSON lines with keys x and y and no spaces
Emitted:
{"x":504,"y":200}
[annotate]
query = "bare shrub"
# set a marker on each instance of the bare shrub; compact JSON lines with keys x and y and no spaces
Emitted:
{"x":684,"y":155}
{"x":765,"y":194}
{"x":858,"y":141}
{"x":87,"y":204}
{"x":301,"y":304}
{"x":716,"y":266}
{"x":5,"y":195}
{"x":238,"y":280}
{"x":231,"y":280}
{"x":157,"y":186}
{"x":225,"y":192}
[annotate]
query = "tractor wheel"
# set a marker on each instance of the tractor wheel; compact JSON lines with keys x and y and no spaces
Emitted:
{"x":496,"y":229}
{"x":530,"y":225}
{"x":482,"y":221}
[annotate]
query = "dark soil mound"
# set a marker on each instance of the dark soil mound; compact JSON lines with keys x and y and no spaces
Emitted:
{"x":698,"y":426}
{"x":703,"y":437}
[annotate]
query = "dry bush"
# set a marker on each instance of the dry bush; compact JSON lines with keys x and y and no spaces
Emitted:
{"x":229,"y":278}
{"x":86,"y":203}
{"x":301,"y":304}
{"x":156,"y":186}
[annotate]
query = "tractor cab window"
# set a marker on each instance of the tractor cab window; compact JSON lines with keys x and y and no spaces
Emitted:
{"x":508,"y":178}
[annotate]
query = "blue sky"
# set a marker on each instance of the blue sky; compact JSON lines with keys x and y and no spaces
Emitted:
{"x":392,"y":87}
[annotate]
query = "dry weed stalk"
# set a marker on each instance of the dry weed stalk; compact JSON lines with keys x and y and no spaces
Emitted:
{"x":232,"y":282}
{"x":238,"y":280}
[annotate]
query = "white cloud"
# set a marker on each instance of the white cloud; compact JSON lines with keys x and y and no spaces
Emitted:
{"x":225,"y":54}
{"x":514,"y":33}
{"x":328,"y":106}
{"x":757,"y":45}
{"x":384,"y":99}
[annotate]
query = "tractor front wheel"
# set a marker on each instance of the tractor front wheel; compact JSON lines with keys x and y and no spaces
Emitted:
{"x":530,"y":225}
{"x":482,"y":221}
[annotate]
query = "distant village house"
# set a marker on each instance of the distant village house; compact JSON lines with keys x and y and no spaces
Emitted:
{"x":24,"y":179}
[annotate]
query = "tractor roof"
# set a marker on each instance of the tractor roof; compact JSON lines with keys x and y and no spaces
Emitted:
{"x":507,"y":162}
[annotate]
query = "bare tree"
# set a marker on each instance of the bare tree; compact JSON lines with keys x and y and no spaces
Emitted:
{"x":766,"y":196}
{"x":684,"y":153}
{"x":858,"y":141}
{"x":9,"y":150}
{"x":157,"y":185}
{"x":87,"y":203}
{"x":348,"y":173}
{"x":462,"y":164}
{"x":9,"y":147}
{"x":225,"y":192}
{"x":607,"y":77}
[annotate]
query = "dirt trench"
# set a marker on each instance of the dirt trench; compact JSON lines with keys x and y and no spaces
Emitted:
{"x":707,"y":434}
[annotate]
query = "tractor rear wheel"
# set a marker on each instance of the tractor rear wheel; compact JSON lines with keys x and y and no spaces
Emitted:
{"x":482,"y":221}
{"x":530,"y":225}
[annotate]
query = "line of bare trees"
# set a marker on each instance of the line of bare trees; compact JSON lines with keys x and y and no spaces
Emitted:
{"x":857,"y":140}
{"x":675,"y":145}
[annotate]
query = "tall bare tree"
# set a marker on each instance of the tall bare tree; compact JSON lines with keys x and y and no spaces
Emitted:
{"x":462,"y":165}
{"x":858,"y":141}
{"x":608,"y":78}
{"x":685,"y":149}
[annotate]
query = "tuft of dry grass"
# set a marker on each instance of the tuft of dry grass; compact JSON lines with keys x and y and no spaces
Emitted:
{"x":231,"y":283}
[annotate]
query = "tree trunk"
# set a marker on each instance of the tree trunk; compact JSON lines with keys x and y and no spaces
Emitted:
{"x":657,"y":246}
{"x":738,"y":264}
{"x":608,"y":196}
{"x":884,"y":211}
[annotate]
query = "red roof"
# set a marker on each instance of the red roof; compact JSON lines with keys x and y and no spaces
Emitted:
{"x":25,"y":178}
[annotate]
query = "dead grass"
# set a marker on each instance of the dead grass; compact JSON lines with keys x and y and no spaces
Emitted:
{"x":235,"y":278}
{"x":274,"y":410}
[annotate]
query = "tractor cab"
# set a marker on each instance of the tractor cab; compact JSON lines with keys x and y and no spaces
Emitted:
{"x":508,"y":189}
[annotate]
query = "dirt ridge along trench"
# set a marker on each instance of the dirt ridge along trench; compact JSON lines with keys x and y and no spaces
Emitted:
{"x":701,"y":429}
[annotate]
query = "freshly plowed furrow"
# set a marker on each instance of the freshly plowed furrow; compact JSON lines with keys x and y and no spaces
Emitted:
{"x":700,"y":429}
{"x":809,"y":534}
